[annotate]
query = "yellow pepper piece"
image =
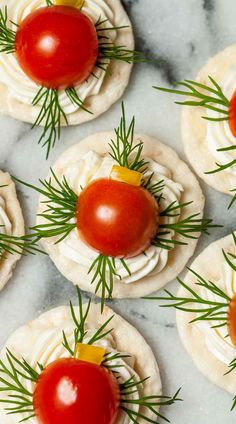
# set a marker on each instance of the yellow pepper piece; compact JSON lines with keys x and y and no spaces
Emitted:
{"x":72,"y":3}
{"x":125,"y":175}
{"x":89,"y":353}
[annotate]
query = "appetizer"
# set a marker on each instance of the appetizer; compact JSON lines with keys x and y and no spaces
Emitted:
{"x":77,"y":365}
{"x":63,"y":62}
{"x":120,"y":214}
{"x":209,"y":121}
{"x":206,"y":312}
{"x":11,"y":228}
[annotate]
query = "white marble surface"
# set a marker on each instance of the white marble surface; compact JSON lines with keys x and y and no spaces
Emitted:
{"x":182,"y":34}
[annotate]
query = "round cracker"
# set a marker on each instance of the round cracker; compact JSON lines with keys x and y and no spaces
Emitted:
{"x":178,"y":257}
{"x":194,"y":128}
{"x":209,"y":265}
{"x":14,"y":213}
{"x":113,"y":87}
{"x":126,"y":338}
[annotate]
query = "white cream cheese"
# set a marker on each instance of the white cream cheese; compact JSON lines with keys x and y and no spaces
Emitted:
{"x":219,"y":134}
{"x":93,"y":166}
{"x":23,"y":88}
{"x":49,"y":348}
{"x":5,"y":224}
{"x":217,"y":339}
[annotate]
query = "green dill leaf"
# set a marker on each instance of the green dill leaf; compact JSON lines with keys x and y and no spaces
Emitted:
{"x":19,"y":399}
{"x":193,"y":302}
{"x":151,"y":403}
{"x":60,"y":201}
{"x":206,"y":96}
{"x":124,"y":150}
{"x":103,"y":270}
{"x":7,"y":35}
{"x":50,"y":116}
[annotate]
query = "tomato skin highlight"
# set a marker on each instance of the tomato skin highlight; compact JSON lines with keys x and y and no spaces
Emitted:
{"x":70,"y":391}
{"x":232,"y":320}
{"x":232,"y":115}
{"x":57,"y":46}
{"x":117,"y":219}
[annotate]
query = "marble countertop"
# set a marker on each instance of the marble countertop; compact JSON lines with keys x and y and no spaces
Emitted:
{"x":182,"y":34}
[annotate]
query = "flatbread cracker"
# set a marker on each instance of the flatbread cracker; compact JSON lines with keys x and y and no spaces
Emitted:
{"x":126,"y":337}
{"x":14,"y":213}
{"x":194,"y":128}
{"x":178,"y":257}
{"x":209,"y":265}
{"x":114,"y":85}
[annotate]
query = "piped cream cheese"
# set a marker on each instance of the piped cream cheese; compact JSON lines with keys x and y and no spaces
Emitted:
{"x":92,"y":166}
{"x":49,"y":347}
{"x":217,"y":339}
{"x":5,"y":223}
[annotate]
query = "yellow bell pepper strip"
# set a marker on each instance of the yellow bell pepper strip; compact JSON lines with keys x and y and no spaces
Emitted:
{"x":125,"y":175}
{"x":72,"y":3}
{"x":89,"y":353}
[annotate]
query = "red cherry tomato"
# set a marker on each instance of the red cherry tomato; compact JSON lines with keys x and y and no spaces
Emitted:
{"x":232,"y":320}
{"x":70,"y":391}
{"x":232,"y":115}
{"x":57,"y":46}
{"x":117,"y":219}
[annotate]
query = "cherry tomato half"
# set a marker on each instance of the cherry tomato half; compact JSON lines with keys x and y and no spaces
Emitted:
{"x":232,"y":115}
{"x":70,"y":391}
{"x":117,"y":219}
{"x":57,"y":46}
{"x":232,"y":320}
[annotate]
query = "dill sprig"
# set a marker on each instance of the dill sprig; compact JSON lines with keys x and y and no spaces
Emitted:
{"x":151,"y":403}
{"x":75,"y":100}
{"x":7,"y":35}
{"x":104,"y":274}
{"x":233,"y":199}
{"x":14,"y":373}
{"x":50,"y":115}
{"x":109,"y":51}
{"x":230,"y":257}
{"x":223,"y":167}
{"x":60,"y":201}
{"x":187,"y":228}
{"x":18,"y":245}
{"x":109,"y":357}
{"x":155,"y":188}
{"x":124,"y":150}
{"x":19,"y":399}
{"x":80,"y":331}
{"x":193,"y":302}
{"x":211,"y":98}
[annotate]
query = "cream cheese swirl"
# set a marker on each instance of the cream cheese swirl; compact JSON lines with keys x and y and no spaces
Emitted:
{"x":23,"y":88}
{"x":219,"y":134}
{"x":48,"y":348}
{"x":5,"y":224}
{"x":217,"y":340}
{"x":93,"y":166}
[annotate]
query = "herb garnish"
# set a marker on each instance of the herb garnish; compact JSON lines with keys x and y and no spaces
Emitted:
{"x":52,"y":115}
{"x":61,"y":203}
{"x":193,"y":301}
{"x":211,"y":98}
{"x":15,"y":373}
